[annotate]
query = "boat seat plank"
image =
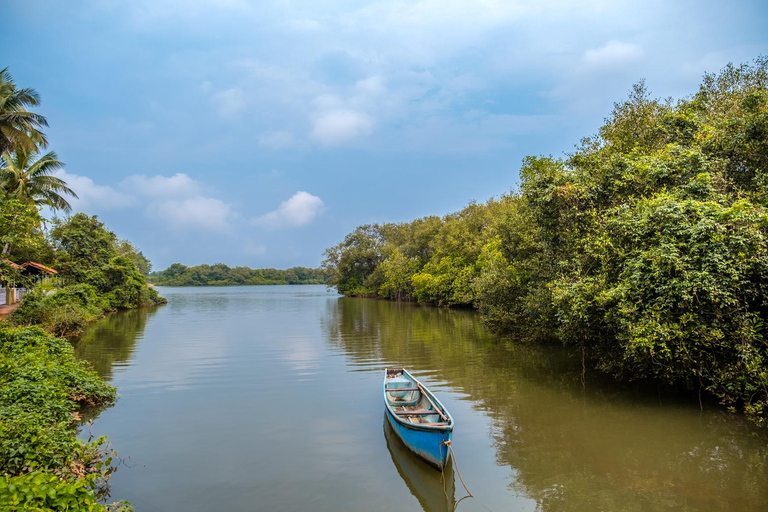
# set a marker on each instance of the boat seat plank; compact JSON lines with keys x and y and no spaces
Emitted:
{"x":390,"y":390}
{"x":416,"y":413}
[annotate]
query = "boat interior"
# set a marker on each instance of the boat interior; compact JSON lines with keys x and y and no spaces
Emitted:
{"x":410,"y":402}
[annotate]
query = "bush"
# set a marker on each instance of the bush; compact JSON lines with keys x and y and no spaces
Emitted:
{"x":41,"y":386}
{"x":64,"y":312}
{"x":40,"y":491}
{"x":678,"y":299}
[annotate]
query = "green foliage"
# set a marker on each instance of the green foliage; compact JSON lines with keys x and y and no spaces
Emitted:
{"x":43,"y":491}
{"x":67,"y":311}
{"x":19,"y":126}
{"x":102,"y":286}
{"x":447,"y":282}
{"x":352,"y":263}
{"x":28,"y":177}
{"x":44,"y":466}
{"x":83,"y":243}
{"x":63,"y":312}
{"x":646,"y":250}
{"x":397,"y":272}
{"x":20,"y":235}
{"x":41,"y":386}
{"x":121,"y":284}
{"x":222,"y":275}
{"x":12,"y":276}
{"x":679,"y":297}
{"x":105,"y":272}
{"x":125,"y":248}
{"x":40,"y":491}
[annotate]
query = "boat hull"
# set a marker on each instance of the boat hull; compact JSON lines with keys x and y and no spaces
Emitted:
{"x":429,"y":445}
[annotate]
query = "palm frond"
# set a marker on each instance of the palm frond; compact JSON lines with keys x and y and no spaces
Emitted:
{"x":19,"y":126}
{"x":29,"y":177}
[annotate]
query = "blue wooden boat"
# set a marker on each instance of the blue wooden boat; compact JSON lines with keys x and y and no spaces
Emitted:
{"x":417,"y":417}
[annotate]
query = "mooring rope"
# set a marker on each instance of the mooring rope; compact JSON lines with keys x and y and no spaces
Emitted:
{"x":456,"y":465}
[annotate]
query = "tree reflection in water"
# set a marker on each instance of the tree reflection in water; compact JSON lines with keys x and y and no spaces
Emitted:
{"x":111,"y":340}
{"x":606,"y":447}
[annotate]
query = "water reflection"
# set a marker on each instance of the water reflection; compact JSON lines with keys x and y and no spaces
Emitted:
{"x":110,"y":342}
{"x":434,"y":490}
{"x":269,"y":398}
{"x":603,"y":448}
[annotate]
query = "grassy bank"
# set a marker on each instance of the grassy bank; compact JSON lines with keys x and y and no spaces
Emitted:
{"x":44,"y":466}
{"x":67,"y":311}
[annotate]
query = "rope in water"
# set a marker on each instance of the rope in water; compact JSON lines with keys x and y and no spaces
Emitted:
{"x":456,"y":465}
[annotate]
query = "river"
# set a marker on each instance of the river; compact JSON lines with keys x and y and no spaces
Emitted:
{"x":269,"y":398}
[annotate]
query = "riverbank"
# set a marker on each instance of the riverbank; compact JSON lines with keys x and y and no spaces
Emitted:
{"x":44,"y":466}
{"x":67,"y":311}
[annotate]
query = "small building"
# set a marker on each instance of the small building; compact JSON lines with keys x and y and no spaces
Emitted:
{"x":41,"y":274}
{"x":37,"y":269}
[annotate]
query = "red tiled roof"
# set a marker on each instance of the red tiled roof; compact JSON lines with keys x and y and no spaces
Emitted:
{"x":14,"y":265}
{"x":39,"y":266}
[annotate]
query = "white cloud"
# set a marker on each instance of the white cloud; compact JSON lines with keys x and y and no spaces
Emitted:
{"x":178,"y":185}
{"x":90,"y":195}
{"x":177,"y":201}
{"x":276,"y":140}
{"x":340,"y":119}
{"x":229,"y":103}
{"x":335,"y":127}
{"x":300,"y":210}
{"x":613,"y":53}
{"x":371,"y":86}
{"x":193,"y":213}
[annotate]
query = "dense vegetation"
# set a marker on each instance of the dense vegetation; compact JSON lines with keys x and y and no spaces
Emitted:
{"x":222,"y":275}
{"x":43,"y":464}
{"x":646,"y":250}
{"x":101,"y":274}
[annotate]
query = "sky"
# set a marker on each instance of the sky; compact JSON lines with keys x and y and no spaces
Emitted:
{"x":261,"y":133}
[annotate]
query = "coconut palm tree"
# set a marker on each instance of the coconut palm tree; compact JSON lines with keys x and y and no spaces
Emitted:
{"x":27,"y":178}
{"x":18,"y":126}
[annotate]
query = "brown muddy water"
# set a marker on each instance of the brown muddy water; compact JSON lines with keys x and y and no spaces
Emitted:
{"x":269,"y":398}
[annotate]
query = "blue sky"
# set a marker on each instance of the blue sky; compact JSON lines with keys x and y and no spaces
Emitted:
{"x":260,"y":133}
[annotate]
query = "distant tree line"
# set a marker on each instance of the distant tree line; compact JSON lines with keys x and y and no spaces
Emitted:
{"x":222,"y":275}
{"x":646,"y":250}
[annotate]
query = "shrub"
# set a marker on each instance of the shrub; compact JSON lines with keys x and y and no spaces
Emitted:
{"x":64,"y":312}
{"x":41,"y":385}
